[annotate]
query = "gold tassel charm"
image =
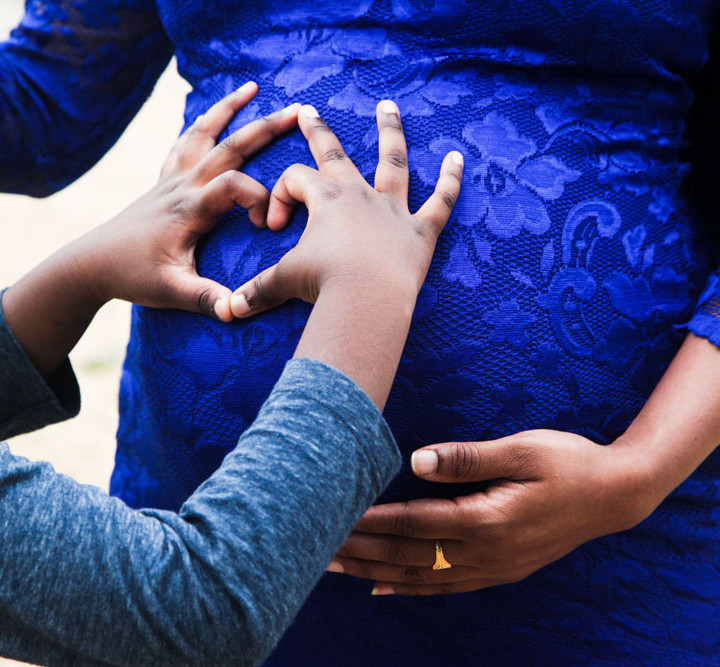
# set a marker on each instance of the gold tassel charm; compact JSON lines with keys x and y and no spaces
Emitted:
{"x":440,"y":562}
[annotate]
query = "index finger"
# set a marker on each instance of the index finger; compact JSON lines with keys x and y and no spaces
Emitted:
{"x":203,"y":134}
{"x":325,"y":146}
{"x":428,"y":518}
{"x":235,"y":150}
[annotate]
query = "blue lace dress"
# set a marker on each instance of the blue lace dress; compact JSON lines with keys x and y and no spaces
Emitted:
{"x":553,"y":301}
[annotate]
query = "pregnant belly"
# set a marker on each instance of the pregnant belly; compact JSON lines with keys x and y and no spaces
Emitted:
{"x":542,"y":309}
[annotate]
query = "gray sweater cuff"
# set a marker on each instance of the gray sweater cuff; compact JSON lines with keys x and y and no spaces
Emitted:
{"x":27,"y":401}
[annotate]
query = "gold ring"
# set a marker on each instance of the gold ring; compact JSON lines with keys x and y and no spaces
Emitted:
{"x":441,"y":562}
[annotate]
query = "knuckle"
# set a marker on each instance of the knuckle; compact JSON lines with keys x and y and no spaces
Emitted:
{"x":331,"y":191}
{"x":203,"y":300}
{"x":230,"y":143}
{"x":228,"y":180}
{"x":396,"y":158}
{"x":294,"y":169}
{"x":270,"y":126}
{"x":260,"y":197}
{"x":180,"y":207}
{"x":466,"y":460}
{"x":393,"y":122}
{"x":448,"y":199}
{"x":332,"y":155}
{"x":524,"y":455}
{"x":404,"y":524}
{"x":319,"y":124}
{"x":257,"y":296}
{"x":198,"y":128}
{"x":393,"y":553}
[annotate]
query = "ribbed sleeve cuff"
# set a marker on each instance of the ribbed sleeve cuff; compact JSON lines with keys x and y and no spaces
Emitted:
{"x":27,"y":401}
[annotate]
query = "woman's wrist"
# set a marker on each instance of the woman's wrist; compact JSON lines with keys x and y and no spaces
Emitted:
{"x":636,"y":484}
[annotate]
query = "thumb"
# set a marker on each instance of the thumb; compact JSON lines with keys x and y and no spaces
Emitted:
{"x":506,"y":458}
{"x":199,"y":295}
{"x":265,"y":291}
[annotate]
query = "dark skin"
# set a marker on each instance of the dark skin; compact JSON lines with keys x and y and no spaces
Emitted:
{"x":146,"y":253}
{"x":381,"y":249}
{"x":363,"y":301}
{"x":548,"y":493}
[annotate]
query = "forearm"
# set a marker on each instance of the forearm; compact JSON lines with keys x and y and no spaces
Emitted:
{"x":50,"y":308}
{"x":360,"y":331}
{"x":679,"y":426}
{"x":84,"y":579}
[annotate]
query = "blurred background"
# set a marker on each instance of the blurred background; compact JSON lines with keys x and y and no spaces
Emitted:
{"x":84,"y":448}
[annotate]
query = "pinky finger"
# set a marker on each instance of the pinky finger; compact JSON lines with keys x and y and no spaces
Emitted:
{"x":437,"y":209}
{"x":382,"y":588}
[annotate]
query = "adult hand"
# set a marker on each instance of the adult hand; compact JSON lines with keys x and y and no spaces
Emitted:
{"x":146,"y":254}
{"x":547,"y":492}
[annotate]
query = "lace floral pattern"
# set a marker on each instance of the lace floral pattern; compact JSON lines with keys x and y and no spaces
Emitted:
{"x":552,"y":301}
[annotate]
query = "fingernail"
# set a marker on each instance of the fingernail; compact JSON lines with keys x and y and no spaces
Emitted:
{"x":310,"y":111}
{"x":246,"y":87}
{"x":424,"y":462}
{"x":216,"y":308}
{"x":382,"y":589}
{"x":335,"y":566}
{"x":239,"y":305}
{"x":388,"y":106}
{"x":458,"y":158}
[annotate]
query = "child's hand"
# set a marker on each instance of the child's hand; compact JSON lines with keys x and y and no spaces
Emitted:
{"x":146,"y":253}
{"x":355,"y":235}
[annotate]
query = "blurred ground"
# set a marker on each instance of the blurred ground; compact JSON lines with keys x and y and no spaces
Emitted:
{"x":32,"y":229}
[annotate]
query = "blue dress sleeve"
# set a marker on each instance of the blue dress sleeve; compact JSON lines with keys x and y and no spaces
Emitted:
{"x":706,"y":320}
{"x":27,"y":401}
{"x":85,"y":580}
{"x":73,"y":74}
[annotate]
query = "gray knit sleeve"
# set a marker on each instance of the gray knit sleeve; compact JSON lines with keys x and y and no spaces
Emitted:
{"x":86,"y":580}
{"x":27,"y":401}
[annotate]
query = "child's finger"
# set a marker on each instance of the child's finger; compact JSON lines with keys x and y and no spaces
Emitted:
{"x":233,"y":188}
{"x":235,"y":150}
{"x":391,"y":175}
{"x":198,"y":295}
{"x":294,"y":186}
{"x":325,"y":146}
{"x":436,"y":210}
{"x":265,"y":291}
{"x":201,"y":137}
